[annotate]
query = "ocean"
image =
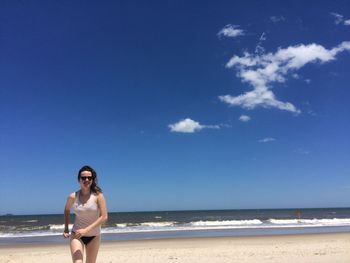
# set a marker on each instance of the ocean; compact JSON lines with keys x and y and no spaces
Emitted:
{"x":21,"y":229}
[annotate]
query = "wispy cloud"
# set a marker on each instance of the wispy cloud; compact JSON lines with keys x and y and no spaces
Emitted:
{"x":302,"y":151}
{"x":189,"y":126}
{"x":339,"y":19}
{"x":308,"y":109}
{"x":259,"y":49}
{"x":244,"y":118}
{"x":312,"y":113}
{"x":231,"y":31}
{"x":276,"y":19}
{"x":261,"y":71}
{"x":265,"y":140}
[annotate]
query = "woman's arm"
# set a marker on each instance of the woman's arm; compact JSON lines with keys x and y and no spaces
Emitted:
{"x":69,"y":203}
{"x":101,"y":202}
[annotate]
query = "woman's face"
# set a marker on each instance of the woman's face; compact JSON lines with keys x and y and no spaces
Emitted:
{"x":85,"y":179}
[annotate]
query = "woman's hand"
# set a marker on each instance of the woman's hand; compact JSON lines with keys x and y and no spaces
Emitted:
{"x":66,"y":234}
{"x":80,"y":233}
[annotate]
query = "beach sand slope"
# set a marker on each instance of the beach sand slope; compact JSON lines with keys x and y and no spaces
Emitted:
{"x":320,"y":248}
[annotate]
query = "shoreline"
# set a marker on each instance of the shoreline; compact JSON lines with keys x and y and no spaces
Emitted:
{"x":183,"y":234}
{"x":169,"y":239}
{"x":303,"y":248}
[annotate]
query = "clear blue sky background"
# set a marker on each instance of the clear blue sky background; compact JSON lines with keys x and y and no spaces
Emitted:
{"x":99,"y":83}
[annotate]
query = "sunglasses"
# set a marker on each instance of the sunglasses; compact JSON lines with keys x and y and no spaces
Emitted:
{"x":84,"y":178}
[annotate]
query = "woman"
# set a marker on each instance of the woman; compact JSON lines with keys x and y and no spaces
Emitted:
{"x":90,"y":213}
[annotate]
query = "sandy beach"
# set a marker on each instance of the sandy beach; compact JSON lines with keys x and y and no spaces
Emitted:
{"x":289,"y":248}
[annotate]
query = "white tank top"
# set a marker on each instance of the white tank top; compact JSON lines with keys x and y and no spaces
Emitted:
{"x":86,"y":214}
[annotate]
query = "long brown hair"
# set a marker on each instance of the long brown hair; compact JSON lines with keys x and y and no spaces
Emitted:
{"x":94,"y":187}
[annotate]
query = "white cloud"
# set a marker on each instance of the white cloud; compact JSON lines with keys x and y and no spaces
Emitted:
{"x":189,"y":126}
{"x":244,"y":118}
{"x":265,"y":140}
{"x":231,"y":31}
{"x":263,"y":97}
{"x":262,"y":70}
{"x":338,"y":18}
{"x":186,"y":126}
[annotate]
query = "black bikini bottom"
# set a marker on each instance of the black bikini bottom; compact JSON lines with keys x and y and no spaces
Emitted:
{"x":87,"y":240}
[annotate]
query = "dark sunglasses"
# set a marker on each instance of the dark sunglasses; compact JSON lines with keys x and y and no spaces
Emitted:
{"x":83,"y":178}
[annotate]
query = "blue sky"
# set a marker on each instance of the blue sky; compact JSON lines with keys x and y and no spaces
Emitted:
{"x":176,"y":104}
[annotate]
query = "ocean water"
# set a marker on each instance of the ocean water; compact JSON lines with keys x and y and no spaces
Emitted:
{"x":174,"y":224}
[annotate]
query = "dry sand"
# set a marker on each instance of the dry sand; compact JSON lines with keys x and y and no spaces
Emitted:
{"x":332,"y":248}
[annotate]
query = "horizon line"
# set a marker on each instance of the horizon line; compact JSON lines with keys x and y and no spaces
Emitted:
{"x":189,"y":210}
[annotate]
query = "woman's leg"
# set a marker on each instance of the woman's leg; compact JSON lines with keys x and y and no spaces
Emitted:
{"x":77,"y":250}
{"x":92,"y":249}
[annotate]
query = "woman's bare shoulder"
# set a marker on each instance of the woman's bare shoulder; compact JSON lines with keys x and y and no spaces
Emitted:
{"x":72,"y":195}
{"x":99,"y":195}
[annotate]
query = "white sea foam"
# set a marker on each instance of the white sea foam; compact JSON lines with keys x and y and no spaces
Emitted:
{"x":59,"y":227}
{"x":30,"y":221}
{"x":158,"y":224}
{"x":122,"y":225}
{"x":284,"y":221}
{"x":30,"y":234}
{"x":56,"y":229}
{"x":227,"y":223}
{"x":312,"y":222}
{"x":33,"y":228}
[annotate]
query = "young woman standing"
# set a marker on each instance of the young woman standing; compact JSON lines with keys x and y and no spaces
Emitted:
{"x":90,"y":213}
